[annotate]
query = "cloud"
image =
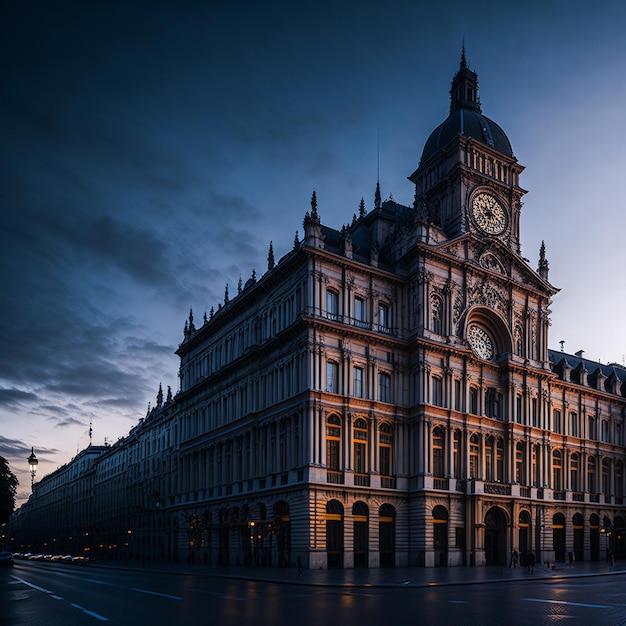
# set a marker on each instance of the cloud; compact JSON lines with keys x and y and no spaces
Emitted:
{"x":15,"y":397}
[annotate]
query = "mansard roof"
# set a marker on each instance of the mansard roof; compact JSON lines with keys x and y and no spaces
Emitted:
{"x":571,"y":367}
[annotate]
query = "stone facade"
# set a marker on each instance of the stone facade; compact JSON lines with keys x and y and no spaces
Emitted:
{"x":384,"y":395}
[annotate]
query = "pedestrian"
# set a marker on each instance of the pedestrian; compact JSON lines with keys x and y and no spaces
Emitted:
{"x":514,"y":558}
{"x":531,"y":562}
{"x":570,"y":558}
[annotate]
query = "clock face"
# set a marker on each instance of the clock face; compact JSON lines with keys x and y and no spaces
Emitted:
{"x":488,"y":214}
{"x":480,"y":342}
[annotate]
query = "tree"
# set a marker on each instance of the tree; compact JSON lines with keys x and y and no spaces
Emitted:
{"x":8,"y":489}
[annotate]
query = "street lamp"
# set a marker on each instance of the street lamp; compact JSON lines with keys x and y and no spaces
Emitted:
{"x":32,"y":465}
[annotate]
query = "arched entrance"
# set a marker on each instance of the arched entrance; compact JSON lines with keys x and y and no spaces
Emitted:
{"x":360,"y":517}
{"x":495,"y":537}
{"x":619,"y":538}
{"x":558,"y":537}
{"x":524,"y":536}
{"x":387,"y":535}
{"x":578,"y":524}
{"x":594,"y":537}
{"x":282,"y":532}
{"x":334,"y":533}
{"x":440,"y":535}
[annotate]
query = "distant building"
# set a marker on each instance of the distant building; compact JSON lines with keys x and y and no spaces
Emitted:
{"x":384,"y":395}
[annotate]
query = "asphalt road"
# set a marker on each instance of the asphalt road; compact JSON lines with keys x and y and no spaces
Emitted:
{"x":45,"y":594}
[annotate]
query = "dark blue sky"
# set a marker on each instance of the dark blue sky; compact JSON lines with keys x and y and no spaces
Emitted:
{"x":151,"y":151}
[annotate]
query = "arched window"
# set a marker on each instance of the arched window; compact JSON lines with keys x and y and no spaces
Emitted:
{"x":489,"y":459}
{"x":591,"y":475}
{"x":619,"y":479}
{"x":333,"y":443}
{"x":360,"y":446}
{"x":473,"y":456}
{"x":456,"y":454}
{"x":574,"y":472}
{"x":520,"y":463}
{"x":606,"y":487}
{"x":557,"y":470}
{"x":437,"y":314}
{"x":385,"y":449}
{"x":438,"y":453}
{"x":536,"y":455}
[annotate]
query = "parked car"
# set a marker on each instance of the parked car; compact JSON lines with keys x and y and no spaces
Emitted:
{"x":80,"y":560}
{"x":6,"y":559}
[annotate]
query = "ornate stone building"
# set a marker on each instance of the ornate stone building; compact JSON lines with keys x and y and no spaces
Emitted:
{"x":383,"y":395}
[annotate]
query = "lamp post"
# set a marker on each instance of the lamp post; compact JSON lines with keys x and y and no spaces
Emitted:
{"x":32,"y":465}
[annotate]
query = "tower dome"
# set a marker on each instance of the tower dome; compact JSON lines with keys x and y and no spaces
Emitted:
{"x":466,"y":118}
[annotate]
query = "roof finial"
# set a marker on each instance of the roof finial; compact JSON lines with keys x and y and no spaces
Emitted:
{"x":463,"y":59}
{"x":377,"y":197}
{"x":314,"y":204}
{"x":543,"y":266}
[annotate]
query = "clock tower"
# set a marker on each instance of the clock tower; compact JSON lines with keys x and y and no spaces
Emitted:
{"x":468,"y":178}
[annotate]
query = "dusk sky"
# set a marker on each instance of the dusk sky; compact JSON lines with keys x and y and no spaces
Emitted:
{"x":151,"y":151}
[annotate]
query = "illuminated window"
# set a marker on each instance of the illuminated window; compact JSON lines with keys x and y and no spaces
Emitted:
{"x":473,"y":456}
{"x":360,"y":446}
{"x":438,"y":453}
{"x":574,"y":472}
{"x":606,"y":490}
{"x":456,"y":453}
{"x":385,"y":448}
{"x":557,"y":470}
{"x":520,"y":464}
{"x":333,"y":443}
{"x":591,"y":475}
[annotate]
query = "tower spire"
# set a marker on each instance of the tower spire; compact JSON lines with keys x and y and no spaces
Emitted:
{"x":543,"y":266}
{"x":464,"y":89}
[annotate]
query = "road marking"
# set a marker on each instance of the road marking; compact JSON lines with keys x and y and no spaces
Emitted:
{"x":97,"y":582}
{"x":590,"y":606}
{"x":88,"y":612}
{"x":31,"y":585}
{"x":458,"y":602}
{"x":55,"y":597}
{"x":156,"y":593}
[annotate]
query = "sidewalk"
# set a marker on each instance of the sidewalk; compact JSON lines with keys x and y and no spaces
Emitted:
{"x":386,"y":577}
